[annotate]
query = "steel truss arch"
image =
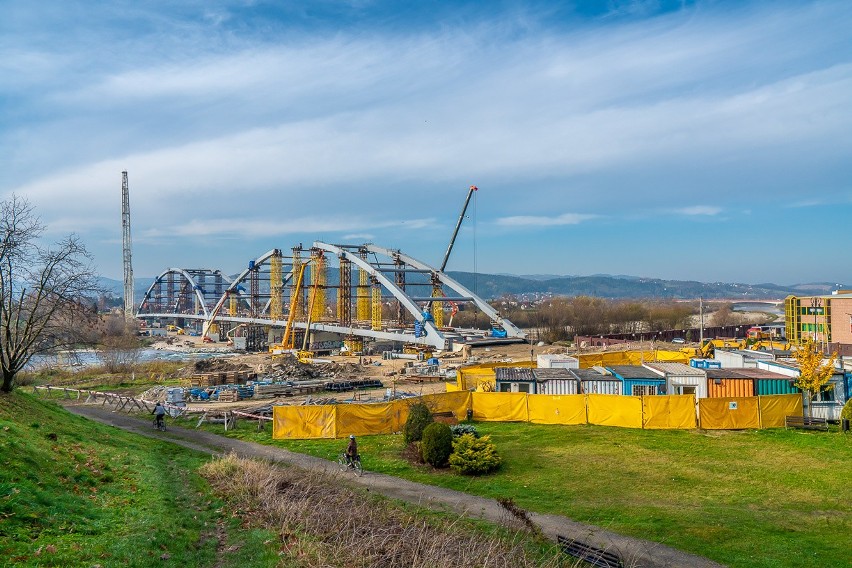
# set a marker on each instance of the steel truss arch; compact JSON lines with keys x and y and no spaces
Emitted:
{"x":395,"y":290}
{"x":187,"y":275}
{"x":511,"y":329}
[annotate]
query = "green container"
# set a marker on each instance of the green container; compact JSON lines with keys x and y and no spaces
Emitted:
{"x":774,"y":386}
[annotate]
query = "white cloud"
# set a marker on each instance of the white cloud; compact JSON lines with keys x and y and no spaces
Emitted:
{"x":699,"y":210}
{"x":543,"y":221}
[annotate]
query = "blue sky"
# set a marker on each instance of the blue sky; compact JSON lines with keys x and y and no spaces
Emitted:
{"x":705,"y":140}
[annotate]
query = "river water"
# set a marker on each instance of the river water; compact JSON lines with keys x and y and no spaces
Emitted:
{"x":88,"y":358}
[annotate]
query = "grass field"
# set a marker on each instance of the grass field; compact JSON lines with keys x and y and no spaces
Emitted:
{"x":768,"y":498}
{"x":76,"y":493}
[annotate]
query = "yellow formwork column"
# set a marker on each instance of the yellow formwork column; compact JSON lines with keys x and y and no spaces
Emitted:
{"x":318,"y":281}
{"x":363,"y":301}
{"x":275,"y":285}
{"x":297,"y":301}
{"x":377,"y":305}
{"x":438,"y":307}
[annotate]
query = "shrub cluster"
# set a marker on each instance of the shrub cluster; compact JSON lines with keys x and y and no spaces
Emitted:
{"x":461,"y":429}
{"x":437,"y":444}
{"x":419,"y":416}
{"x":474,"y":456}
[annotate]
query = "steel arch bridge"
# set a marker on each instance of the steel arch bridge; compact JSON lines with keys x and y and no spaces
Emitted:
{"x":376,"y":293}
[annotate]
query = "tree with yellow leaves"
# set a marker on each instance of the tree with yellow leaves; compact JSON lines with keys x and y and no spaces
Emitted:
{"x":814,"y":373}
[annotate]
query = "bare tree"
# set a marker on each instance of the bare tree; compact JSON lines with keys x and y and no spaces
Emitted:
{"x":119,"y":345}
{"x":44,"y":290}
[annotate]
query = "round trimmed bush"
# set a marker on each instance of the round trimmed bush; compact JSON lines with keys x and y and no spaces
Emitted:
{"x":474,"y":456}
{"x":419,"y":416}
{"x":437,"y":444}
{"x":847,"y":410}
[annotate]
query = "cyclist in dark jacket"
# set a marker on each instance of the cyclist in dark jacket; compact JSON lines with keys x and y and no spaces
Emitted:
{"x":351,"y":449}
{"x":159,"y":412}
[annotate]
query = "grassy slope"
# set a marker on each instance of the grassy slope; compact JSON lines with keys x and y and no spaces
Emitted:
{"x":767,"y":498}
{"x":76,"y":493}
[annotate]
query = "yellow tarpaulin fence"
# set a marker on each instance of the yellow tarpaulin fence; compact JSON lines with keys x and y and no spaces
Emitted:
{"x":651,"y":412}
{"x":614,"y":410}
{"x":607,"y":359}
{"x":669,"y":412}
{"x":557,"y":409}
{"x":500,"y":406}
{"x":773,"y":409}
{"x":734,"y":413}
{"x":303,"y":422}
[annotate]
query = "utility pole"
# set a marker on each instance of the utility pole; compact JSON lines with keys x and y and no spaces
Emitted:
{"x":129,"y":306}
{"x":701,"y":322}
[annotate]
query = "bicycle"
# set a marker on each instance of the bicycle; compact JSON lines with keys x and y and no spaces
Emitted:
{"x":160,"y":424}
{"x":345,"y":463}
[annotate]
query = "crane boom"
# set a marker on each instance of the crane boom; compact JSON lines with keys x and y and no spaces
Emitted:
{"x":458,"y":226}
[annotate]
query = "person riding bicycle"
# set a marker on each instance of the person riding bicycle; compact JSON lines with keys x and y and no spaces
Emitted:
{"x":159,"y":412}
{"x":351,"y":450}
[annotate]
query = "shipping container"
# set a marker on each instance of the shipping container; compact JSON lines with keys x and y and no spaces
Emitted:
{"x":555,"y":381}
{"x":739,"y":359}
{"x":593,"y":382}
{"x":557,"y":361}
{"x":514,"y":379}
{"x":764,"y":387}
{"x":637,"y":380}
{"x":724,"y":383}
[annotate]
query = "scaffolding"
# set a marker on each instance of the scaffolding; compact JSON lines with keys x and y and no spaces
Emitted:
{"x":297,"y":295}
{"x":318,"y":282}
{"x":437,"y":306}
{"x":399,"y":280}
{"x":376,"y":304}
{"x":275,"y":285}
{"x":363,"y":307}
{"x":344,"y":293}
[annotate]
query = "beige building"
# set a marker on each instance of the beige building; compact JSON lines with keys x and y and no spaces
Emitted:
{"x":825,"y":319}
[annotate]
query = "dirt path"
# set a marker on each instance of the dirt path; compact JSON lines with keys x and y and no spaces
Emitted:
{"x":635,"y":552}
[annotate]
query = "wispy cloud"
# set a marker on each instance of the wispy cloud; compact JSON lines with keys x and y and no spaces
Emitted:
{"x":708,"y":210}
{"x":543,"y":221}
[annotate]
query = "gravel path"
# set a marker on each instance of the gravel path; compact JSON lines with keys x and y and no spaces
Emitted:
{"x":636,"y":553}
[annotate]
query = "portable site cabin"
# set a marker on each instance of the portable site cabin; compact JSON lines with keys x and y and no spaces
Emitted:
{"x":681,"y":379}
{"x":741,"y":358}
{"x":637,"y":380}
{"x":514,"y":379}
{"x":826,"y":404}
{"x":727,"y":383}
{"x":557,"y":361}
{"x":594,"y":382}
{"x":555,"y":381}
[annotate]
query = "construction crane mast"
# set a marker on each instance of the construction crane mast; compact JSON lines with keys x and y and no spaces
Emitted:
{"x":458,"y":225}
{"x":126,"y":248}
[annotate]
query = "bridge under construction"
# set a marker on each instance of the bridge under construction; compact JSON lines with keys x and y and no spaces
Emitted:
{"x":324,"y":298}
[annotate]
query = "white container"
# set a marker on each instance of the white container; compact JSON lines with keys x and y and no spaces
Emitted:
{"x":681,"y":379}
{"x":556,"y":361}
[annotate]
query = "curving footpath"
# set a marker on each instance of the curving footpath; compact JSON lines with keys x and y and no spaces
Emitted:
{"x":634,"y":552}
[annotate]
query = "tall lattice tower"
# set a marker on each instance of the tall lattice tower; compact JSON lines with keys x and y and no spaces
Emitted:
{"x":126,"y":247}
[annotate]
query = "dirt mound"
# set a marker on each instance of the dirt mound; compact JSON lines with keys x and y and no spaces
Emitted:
{"x":216,"y":365}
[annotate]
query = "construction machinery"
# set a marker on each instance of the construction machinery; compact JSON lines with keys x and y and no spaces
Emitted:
{"x":286,"y":347}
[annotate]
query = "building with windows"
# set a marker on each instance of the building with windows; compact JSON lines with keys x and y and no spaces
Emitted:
{"x":826,"y":319}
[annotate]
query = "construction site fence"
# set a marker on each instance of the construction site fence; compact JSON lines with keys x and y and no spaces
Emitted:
{"x":648,"y":412}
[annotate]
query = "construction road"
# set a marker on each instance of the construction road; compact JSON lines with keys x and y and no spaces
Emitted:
{"x":634,"y":552}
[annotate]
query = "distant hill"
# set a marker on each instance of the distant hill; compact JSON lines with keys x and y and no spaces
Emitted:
{"x":604,"y":286}
{"x":616,"y":287}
